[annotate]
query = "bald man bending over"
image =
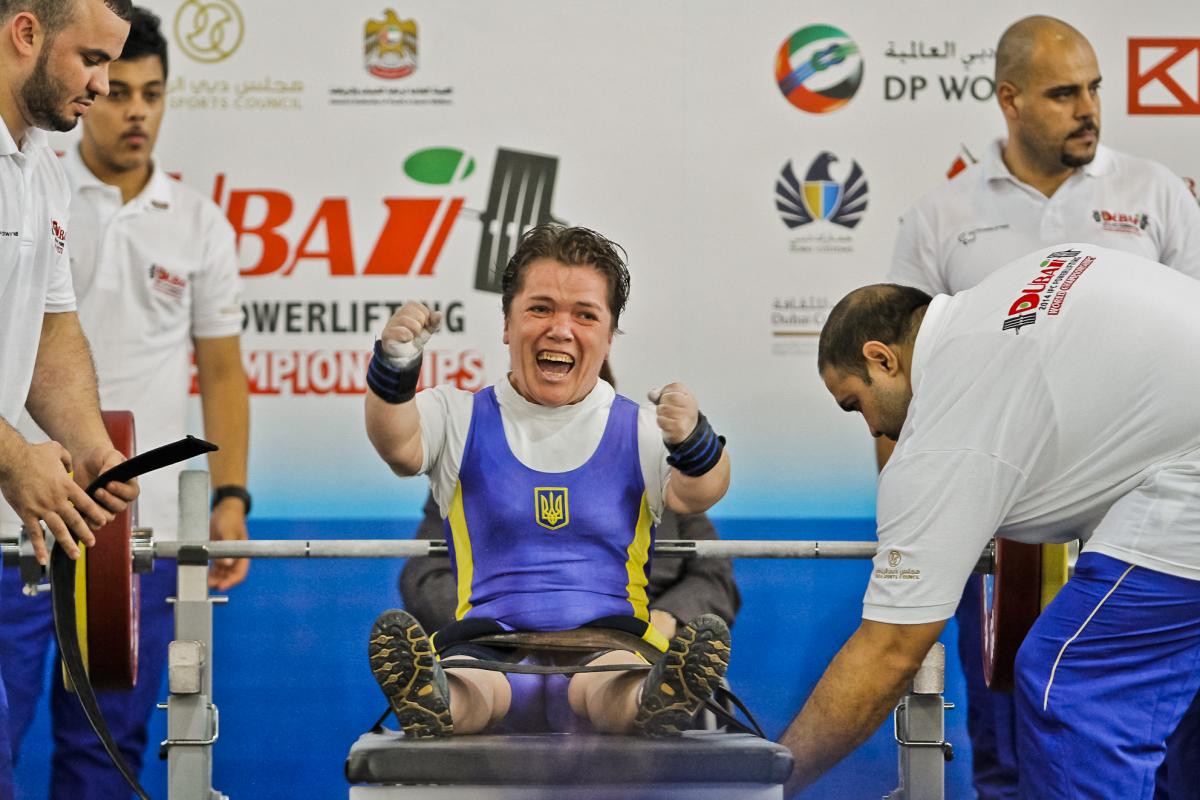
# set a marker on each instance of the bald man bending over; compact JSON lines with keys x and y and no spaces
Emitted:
{"x":1020,"y":408}
{"x":1049,"y":180}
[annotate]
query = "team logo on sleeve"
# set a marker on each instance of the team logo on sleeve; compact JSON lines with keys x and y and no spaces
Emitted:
{"x":59,"y":234}
{"x":1047,"y":291}
{"x":550,"y":507}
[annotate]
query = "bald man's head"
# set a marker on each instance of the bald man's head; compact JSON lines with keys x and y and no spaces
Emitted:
{"x":1027,"y":39}
{"x":1047,"y":85}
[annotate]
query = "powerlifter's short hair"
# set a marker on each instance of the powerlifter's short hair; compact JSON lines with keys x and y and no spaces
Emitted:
{"x":575,"y":247}
{"x":881,"y":312}
{"x":54,"y":15}
{"x":145,"y":38}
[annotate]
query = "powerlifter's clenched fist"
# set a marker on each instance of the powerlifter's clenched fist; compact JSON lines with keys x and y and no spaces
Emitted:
{"x":407,"y":332}
{"x":678,"y":411}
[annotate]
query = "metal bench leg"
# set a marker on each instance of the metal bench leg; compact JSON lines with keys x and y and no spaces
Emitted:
{"x":920,"y":729}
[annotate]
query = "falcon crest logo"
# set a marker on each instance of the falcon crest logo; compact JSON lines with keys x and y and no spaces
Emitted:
{"x":819,"y":196}
{"x":550,"y":505}
{"x":390,"y":46}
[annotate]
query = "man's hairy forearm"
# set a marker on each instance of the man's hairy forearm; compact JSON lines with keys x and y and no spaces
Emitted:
{"x":63,"y":398}
{"x":854,"y":696}
{"x":225,"y":405}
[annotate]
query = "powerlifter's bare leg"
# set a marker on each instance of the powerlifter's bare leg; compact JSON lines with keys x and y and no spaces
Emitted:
{"x":663,"y":701}
{"x":478,"y":697}
{"x":608,"y":700}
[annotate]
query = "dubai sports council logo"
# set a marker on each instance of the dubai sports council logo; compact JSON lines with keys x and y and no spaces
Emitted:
{"x":818,"y":68}
{"x":209,"y":31}
{"x":819,"y":196}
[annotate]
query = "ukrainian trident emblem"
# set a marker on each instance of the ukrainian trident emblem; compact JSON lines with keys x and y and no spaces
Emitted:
{"x":550,"y":505}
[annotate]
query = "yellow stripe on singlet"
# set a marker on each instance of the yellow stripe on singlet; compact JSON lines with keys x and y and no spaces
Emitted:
{"x":635,"y":565}
{"x":464,"y":565}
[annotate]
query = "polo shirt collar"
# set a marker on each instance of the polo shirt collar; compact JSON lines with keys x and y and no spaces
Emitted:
{"x":927,"y":338}
{"x":34,"y":138}
{"x":994,"y":168}
{"x":157,"y":190}
{"x":1101,"y":165}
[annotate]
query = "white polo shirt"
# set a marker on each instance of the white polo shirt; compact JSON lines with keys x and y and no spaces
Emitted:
{"x":953,"y":237}
{"x":1031,"y":416}
{"x":34,"y":276}
{"x":151,"y":275}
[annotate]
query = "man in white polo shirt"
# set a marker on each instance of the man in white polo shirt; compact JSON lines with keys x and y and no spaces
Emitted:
{"x":54,"y":57}
{"x":1052,"y":401}
{"x":1050,"y":180}
{"x":155,"y":271}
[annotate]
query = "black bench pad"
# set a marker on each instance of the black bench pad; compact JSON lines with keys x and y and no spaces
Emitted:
{"x":567,"y":758}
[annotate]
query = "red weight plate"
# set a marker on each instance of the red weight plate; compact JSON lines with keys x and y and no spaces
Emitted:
{"x":1011,"y":601}
{"x":112,"y":586}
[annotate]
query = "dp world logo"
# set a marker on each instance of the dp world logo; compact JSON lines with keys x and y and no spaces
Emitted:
{"x":209,"y":31}
{"x":818,"y":68}
{"x":820,"y":196}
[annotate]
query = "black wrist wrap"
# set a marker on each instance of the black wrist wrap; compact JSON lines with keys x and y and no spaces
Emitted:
{"x":392,"y":384}
{"x":699,"y":452}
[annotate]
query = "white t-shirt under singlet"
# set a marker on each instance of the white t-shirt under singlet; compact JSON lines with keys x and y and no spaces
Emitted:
{"x":544,"y":438}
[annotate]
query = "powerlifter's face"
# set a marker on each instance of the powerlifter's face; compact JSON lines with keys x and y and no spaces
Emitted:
{"x":559,"y":330}
{"x":1055,"y":116}
{"x":883,"y":402}
{"x":120,"y":131}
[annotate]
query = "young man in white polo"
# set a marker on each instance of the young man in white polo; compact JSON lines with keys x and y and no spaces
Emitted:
{"x":155,"y":273}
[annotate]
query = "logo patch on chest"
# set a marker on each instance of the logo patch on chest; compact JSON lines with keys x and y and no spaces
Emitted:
{"x":166,"y":282}
{"x":550,"y":507}
{"x":1121,"y":223}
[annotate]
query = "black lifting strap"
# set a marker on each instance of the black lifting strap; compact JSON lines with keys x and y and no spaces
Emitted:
{"x":725,"y":695}
{"x":539,"y":669}
{"x":62,"y":591}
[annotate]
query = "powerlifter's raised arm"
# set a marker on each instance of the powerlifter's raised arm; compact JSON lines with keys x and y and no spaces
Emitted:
{"x":393,"y":421}
{"x":696,"y":481}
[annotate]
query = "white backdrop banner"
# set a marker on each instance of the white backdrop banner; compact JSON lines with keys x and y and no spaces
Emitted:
{"x":752,"y":159}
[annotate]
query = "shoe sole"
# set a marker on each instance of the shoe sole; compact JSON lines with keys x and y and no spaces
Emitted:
{"x":691,"y":670}
{"x":402,"y":661}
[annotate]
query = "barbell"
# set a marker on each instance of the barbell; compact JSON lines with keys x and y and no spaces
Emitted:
{"x":1019,"y":578}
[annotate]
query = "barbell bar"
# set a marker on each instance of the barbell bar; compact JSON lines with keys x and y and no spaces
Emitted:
{"x":145,"y":549}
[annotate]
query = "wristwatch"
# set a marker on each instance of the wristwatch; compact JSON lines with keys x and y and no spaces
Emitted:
{"x":231,"y":490}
